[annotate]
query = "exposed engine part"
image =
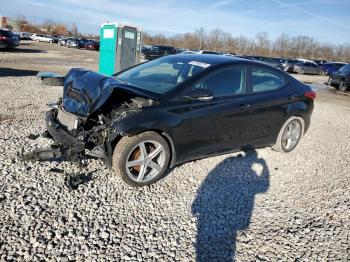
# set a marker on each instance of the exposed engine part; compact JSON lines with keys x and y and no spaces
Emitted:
{"x":141,"y":102}
{"x":97,"y":151}
{"x":43,"y":154}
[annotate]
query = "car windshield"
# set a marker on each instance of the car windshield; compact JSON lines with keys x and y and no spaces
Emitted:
{"x":338,"y":66}
{"x":162,"y":75}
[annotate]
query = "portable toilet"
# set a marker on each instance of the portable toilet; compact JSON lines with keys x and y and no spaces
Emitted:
{"x":120,"y":47}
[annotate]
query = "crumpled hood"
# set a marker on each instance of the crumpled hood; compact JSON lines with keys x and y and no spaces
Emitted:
{"x":86,"y":91}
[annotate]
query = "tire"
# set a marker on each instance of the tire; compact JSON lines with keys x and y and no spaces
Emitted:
{"x":131,"y":150}
{"x":342,"y":86}
{"x":53,"y":81}
{"x":329,"y":82}
{"x":280,"y":145}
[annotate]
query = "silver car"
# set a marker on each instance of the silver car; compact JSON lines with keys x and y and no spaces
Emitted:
{"x":307,"y":68}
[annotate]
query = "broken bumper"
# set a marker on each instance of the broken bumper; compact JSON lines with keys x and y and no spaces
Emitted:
{"x":60,"y":135}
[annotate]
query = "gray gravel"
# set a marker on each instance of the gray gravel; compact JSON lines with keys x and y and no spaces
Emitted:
{"x":259,"y":206}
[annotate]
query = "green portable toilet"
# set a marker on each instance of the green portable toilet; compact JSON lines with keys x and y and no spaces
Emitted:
{"x":120,"y":47}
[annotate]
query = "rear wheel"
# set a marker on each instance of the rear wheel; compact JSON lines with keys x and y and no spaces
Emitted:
{"x":142,"y":159}
{"x":342,"y":86}
{"x":289,"y":135}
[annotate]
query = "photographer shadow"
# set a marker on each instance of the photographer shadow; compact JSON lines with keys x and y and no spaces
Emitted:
{"x":224,"y":204}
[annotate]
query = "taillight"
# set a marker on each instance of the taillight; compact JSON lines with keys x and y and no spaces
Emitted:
{"x":310,"y":94}
{"x":3,"y":37}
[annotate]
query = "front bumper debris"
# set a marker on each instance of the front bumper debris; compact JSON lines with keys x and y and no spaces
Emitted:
{"x":61,"y":136}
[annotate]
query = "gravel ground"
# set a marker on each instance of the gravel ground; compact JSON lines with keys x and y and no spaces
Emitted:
{"x":258,"y":206}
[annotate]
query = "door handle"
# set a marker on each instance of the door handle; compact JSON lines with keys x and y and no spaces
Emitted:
{"x":291,"y":97}
{"x":244,"y":106}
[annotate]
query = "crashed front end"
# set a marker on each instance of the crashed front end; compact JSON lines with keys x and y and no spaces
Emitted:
{"x":82,"y":123}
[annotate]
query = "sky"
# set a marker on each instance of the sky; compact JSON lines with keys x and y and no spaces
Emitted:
{"x":325,"y":20}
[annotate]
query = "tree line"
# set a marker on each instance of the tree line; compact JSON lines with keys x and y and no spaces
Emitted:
{"x":48,"y":26}
{"x":283,"y":46}
{"x":217,"y":40}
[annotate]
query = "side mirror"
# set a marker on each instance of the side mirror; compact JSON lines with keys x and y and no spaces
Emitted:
{"x":199,"y":94}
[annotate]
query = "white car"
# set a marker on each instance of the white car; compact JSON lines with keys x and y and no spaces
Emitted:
{"x":43,"y":38}
{"x":205,"y":52}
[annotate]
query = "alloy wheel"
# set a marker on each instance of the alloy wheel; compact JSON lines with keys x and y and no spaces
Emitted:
{"x":291,"y":135}
{"x":145,"y":161}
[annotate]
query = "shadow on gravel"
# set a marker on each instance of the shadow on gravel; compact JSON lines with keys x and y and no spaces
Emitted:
{"x":4,"y":71}
{"x":224,"y":204}
{"x":24,"y":50}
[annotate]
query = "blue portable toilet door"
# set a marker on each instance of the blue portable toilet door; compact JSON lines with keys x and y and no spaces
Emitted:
{"x":128,"y":47}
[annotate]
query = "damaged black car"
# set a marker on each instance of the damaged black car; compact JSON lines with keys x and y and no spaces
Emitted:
{"x":151,"y":117}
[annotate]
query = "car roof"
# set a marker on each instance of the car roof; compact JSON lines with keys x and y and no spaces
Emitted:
{"x":211,"y":59}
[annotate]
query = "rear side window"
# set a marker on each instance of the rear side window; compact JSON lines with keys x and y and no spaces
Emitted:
{"x":225,"y":82}
{"x":265,"y":80}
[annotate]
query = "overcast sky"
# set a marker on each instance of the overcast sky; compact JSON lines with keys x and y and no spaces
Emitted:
{"x":325,"y":20}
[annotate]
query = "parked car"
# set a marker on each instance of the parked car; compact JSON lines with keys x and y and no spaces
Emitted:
{"x":8,"y":39}
{"x":63,"y":41}
{"x":43,"y":38}
{"x":330,"y":68}
{"x":92,"y":45}
{"x":341,"y":78}
{"x":320,"y":62}
{"x":72,"y":43}
{"x":151,"y":117}
{"x":157,"y":51}
{"x":82,"y":42}
{"x":24,"y":36}
{"x":288,"y":65}
{"x":55,"y":39}
{"x":307,"y":68}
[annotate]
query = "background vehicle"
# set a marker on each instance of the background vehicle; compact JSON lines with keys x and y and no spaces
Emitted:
{"x":24,"y":36}
{"x":72,"y":43}
{"x":92,"y":45}
{"x":341,"y":78}
{"x":82,"y":42}
{"x":8,"y":39}
{"x":157,"y":51}
{"x":55,"y":38}
{"x":320,"y":62}
{"x":330,"y":68}
{"x":63,"y":41}
{"x":43,"y":38}
{"x":307,"y":68}
{"x":179,"y":108}
{"x":288,"y":65}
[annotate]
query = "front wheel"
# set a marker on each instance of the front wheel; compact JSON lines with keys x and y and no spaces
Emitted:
{"x":142,"y":159}
{"x":289,"y":135}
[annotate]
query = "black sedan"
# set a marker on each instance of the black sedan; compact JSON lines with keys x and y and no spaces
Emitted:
{"x":175,"y":109}
{"x":341,"y":78}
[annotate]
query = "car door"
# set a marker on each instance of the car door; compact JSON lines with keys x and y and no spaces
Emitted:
{"x":268,"y":97}
{"x":213,"y":126}
{"x":314,"y":69}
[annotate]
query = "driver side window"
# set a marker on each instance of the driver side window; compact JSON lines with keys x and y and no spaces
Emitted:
{"x":224,"y":82}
